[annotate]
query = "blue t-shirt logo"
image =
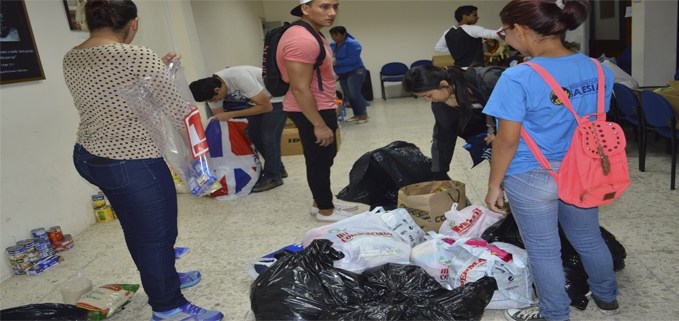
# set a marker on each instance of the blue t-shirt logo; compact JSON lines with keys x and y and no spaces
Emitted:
{"x":555,"y":100}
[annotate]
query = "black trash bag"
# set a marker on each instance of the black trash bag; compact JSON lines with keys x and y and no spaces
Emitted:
{"x":576,"y":277}
{"x":407,"y":292}
{"x":303,"y":285}
{"x":504,"y":230}
{"x":45,"y":311}
{"x":377,"y":176}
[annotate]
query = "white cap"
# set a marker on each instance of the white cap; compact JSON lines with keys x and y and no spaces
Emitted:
{"x":297,"y":11}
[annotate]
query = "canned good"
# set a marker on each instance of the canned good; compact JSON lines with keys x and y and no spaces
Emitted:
{"x":65,"y":244}
{"x":99,"y":200}
{"x":16,"y":252}
{"x":103,"y":214}
{"x":38,"y":232}
{"x":19,"y":261}
{"x":37,"y":242}
{"x":20,"y":272}
{"x":28,"y":244}
{"x":54,"y":235}
{"x":57,"y":229}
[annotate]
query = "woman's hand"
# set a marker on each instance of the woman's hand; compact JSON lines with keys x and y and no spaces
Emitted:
{"x":489,"y":139}
{"x":168,"y":58}
{"x":439,"y":184}
{"x":324,"y":135}
{"x":495,"y":200}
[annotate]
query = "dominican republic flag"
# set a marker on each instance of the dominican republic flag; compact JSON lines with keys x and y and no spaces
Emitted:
{"x":233,"y":158}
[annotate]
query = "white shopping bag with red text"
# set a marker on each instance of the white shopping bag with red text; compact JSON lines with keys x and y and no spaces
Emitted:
{"x":434,"y":256}
{"x":471,"y":221}
{"x":366,"y":241}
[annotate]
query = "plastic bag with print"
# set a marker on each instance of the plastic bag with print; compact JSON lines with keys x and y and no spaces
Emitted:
{"x":434,"y":256}
{"x":474,"y":258}
{"x":471,"y":221}
{"x":365,"y":240}
{"x":185,"y":149}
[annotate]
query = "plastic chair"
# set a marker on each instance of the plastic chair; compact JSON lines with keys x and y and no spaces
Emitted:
{"x":659,"y":113}
{"x":392,"y":72}
{"x":420,"y":63}
{"x":676,"y":75}
{"x":629,"y":105}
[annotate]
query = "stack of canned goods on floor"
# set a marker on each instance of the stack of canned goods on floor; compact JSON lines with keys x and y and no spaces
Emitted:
{"x":32,"y":256}
{"x":102,"y":211}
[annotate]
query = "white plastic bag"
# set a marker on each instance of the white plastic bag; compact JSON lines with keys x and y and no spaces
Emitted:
{"x":184,"y":149}
{"x":72,"y":290}
{"x":514,"y":281}
{"x":434,"y":256}
{"x":365,"y":240}
{"x":233,"y":157}
{"x":401,"y":222}
{"x":471,"y":221}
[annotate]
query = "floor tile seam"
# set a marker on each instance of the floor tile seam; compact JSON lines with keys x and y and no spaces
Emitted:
{"x":662,"y":280}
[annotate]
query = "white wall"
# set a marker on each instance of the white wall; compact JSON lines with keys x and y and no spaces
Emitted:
{"x":609,"y":28}
{"x":394,"y":31}
{"x":654,"y":41}
{"x":38,"y":123}
{"x":229,"y":33}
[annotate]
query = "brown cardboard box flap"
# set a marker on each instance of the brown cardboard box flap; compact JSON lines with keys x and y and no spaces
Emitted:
{"x":428,"y":210}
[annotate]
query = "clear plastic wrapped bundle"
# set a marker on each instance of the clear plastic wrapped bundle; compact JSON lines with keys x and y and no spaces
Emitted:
{"x":184,"y":148}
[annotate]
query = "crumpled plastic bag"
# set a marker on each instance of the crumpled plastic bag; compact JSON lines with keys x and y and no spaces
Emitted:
{"x":45,"y":311}
{"x":184,"y":149}
{"x":306,"y":286}
{"x":377,"y":176}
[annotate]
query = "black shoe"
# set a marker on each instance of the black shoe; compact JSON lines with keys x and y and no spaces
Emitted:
{"x":606,"y":307}
{"x":284,"y":174}
{"x":267,"y":184}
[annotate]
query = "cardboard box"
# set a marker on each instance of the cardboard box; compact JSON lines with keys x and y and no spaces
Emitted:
{"x":289,"y":123}
{"x":292,"y":145}
{"x":443,"y":60}
{"x":428,"y":210}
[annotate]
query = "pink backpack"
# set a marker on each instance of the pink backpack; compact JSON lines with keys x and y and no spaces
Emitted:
{"x":594,"y":170}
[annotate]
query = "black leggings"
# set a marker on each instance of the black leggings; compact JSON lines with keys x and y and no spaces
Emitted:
{"x":318,"y":159}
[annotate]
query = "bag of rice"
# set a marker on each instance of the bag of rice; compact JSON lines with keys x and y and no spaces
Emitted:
{"x":106,"y":300}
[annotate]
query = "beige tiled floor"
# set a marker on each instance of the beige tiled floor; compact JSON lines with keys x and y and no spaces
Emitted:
{"x":225,"y":235}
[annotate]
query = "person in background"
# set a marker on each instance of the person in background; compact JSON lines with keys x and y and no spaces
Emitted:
{"x":114,"y":152}
{"x":310,"y":108}
{"x":457,"y":99}
{"x":349,"y":68}
{"x":523,"y":98}
{"x":464,"y":41}
{"x":266,"y":119}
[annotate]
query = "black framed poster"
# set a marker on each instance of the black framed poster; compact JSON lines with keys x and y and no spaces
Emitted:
{"x":19,"y":59}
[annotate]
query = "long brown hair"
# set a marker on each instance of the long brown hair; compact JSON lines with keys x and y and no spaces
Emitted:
{"x":544,"y":16}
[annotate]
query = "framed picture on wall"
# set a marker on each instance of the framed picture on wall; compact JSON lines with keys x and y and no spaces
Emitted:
{"x":19,"y":59}
{"x":75,"y":13}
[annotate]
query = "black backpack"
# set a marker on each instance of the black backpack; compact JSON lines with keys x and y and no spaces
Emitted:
{"x":270,"y":72}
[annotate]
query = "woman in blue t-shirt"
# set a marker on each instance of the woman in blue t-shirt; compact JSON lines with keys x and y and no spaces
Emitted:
{"x":522,"y":97}
{"x":348,"y":66}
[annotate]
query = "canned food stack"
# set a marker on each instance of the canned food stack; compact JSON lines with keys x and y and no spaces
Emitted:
{"x":42,"y":243}
{"x":102,"y":211}
{"x":59,"y":241}
{"x":19,"y":259}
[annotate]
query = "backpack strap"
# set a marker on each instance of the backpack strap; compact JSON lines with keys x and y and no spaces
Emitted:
{"x":321,"y":55}
{"x":561,"y":94}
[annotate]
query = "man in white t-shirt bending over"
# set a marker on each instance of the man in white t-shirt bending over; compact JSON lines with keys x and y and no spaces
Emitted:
{"x":464,"y":42}
{"x":240,"y":92}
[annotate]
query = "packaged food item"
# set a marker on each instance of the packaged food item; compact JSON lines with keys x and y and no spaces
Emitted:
{"x":74,"y":289}
{"x":105,"y":300}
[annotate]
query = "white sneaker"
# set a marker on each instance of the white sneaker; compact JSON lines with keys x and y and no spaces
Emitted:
{"x":337,"y":215}
{"x":341,"y":206}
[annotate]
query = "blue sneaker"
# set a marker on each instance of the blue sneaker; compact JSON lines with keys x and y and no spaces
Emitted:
{"x":188,"y":279}
{"x":187,"y":312}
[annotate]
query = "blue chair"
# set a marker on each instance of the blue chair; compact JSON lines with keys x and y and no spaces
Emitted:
{"x":676,"y":75}
{"x":659,"y":113}
{"x":392,"y":72}
{"x":628,"y":105}
{"x":420,"y":63}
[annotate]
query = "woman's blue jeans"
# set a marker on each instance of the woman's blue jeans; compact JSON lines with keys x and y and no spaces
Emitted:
{"x":537,"y":210}
{"x":143,"y":195}
{"x":265,"y":132}
{"x":351,"y":83}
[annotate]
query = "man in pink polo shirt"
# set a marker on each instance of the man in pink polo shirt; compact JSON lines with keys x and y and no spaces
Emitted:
{"x":311,"y":108}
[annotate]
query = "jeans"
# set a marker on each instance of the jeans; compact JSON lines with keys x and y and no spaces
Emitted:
{"x":265,"y":132}
{"x":352,"y":83}
{"x":537,"y":210}
{"x":142,"y":193}
{"x":318,"y":159}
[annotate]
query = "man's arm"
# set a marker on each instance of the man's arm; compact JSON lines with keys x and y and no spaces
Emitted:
{"x":481,"y":32}
{"x":300,"y":75}
{"x":262,"y":105}
{"x":442,"y":46}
